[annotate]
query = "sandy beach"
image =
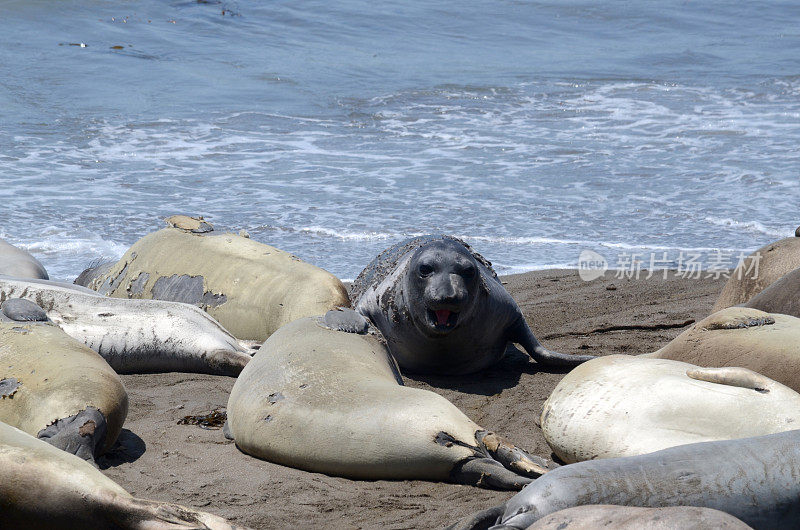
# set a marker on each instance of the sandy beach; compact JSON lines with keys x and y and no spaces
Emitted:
{"x":159,"y":459}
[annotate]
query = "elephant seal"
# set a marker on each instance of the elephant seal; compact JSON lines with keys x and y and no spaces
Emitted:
{"x":766,"y":343}
{"x":136,"y":336}
{"x":55,"y":388}
{"x":773,"y":261}
{"x":591,"y":517}
{"x":442,"y":308}
{"x":250,"y":288}
{"x":324,"y":395}
{"x":624,"y":406}
{"x":17,"y":262}
{"x":752,"y":479}
{"x":42,"y":487}
{"x":781,"y":296}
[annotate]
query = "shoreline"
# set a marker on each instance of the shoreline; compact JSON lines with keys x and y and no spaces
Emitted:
{"x":158,"y":459}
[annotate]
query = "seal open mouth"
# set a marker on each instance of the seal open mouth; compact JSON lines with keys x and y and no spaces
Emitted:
{"x":443,"y":319}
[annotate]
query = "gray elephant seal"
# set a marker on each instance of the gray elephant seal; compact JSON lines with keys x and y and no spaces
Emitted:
{"x":773,"y":261}
{"x":55,"y":388}
{"x":250,"y":288}
{"x":42,"y":487}
{"x":136,"y":336}
{"x":323,"y":394}
{"x":620,"y":405}
{"x":17,"y":262}
{"x":781,"y":296}
{"x":752,"y":479}
{"x":766,"y":343}
{"x":592,"y":517}
{"x":443,"y":310}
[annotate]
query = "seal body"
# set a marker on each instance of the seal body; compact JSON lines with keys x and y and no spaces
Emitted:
{"x":332,"y":401}
{"x":43,"y":487}
{"x":763,"y":267}
{"x":17,"y":262}
{"x":57,"y":389}
{"x":781,"y":296}
{"x":136,"y":336}
{"x":250,"y":288}
{"x":442,"y":308}
{"x":752,"y":479}
{"x":624,"y":406}
{"x":766,"y":343}
{"x":627,"y":518}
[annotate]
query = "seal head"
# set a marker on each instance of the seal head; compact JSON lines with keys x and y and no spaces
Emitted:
{"x":441,"y":286}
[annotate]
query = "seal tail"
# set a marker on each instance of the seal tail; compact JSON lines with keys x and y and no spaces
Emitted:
{"x":521,"y":334}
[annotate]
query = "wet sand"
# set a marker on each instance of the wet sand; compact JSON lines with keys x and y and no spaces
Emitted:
{"x":159,"y":459}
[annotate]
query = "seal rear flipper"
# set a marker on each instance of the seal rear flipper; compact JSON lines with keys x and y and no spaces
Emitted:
{"x":733,"y":376}
{"x":487,"y":473}
{"x":139,"y":514}
{"x":22,"y":310}
{"x":82,"y":434}
{"x":482,"y":520}
{"x":521,"y":333}
{"x":95,"y":270}
{"x":512,"y":457}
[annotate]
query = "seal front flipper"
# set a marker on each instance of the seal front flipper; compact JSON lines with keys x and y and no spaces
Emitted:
{"x":521,"y":333}
{"x":733,"y":376}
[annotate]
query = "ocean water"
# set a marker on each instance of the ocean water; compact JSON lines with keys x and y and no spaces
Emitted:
{"x":534,"y":130}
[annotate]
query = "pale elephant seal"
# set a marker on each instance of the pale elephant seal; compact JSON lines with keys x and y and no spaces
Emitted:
{"x":592,"y":517}
{"x":761,"y":268}
{"x":752,"y":479}
{"x":443,"y":310}
{"x":42,"y":487}
{"x":136,"y":336}
{"x":332,"y":401}
{"x":55,"y":388}
{"x":17,"y":262}
{"x":251,"y":288}
{"x":624,"y":406}
{"x":781,"y":296}
{"x":767,"y":343}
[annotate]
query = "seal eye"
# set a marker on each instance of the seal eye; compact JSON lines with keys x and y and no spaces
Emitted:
{"x":468,"y":273}
{"x":425,"y":270}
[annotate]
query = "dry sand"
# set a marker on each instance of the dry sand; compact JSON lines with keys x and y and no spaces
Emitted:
{"x":159,"y":459}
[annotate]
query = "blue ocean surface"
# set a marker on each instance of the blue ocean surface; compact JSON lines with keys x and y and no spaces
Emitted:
{"x":534,"y":130}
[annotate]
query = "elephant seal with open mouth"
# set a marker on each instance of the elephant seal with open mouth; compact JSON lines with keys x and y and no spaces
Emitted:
{"x":43,"y":487}
{"x":443,"y":310}
{"x":54,"y":387}
{"x":323,"y":394}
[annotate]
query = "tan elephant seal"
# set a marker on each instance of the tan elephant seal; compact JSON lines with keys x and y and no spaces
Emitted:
{"x":42,"y":487}
{"x":319,"y":398}
{"x":593,"y":516}
{"x":136,"y":336}
{"x":251,"y":288}
{"x":761,"y":268}
{"x":767,"y":343}
{"x":55,"y":388}
{"x":17,"y":262}
{"x":624,"y":406}
{"x":781,"y":296}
